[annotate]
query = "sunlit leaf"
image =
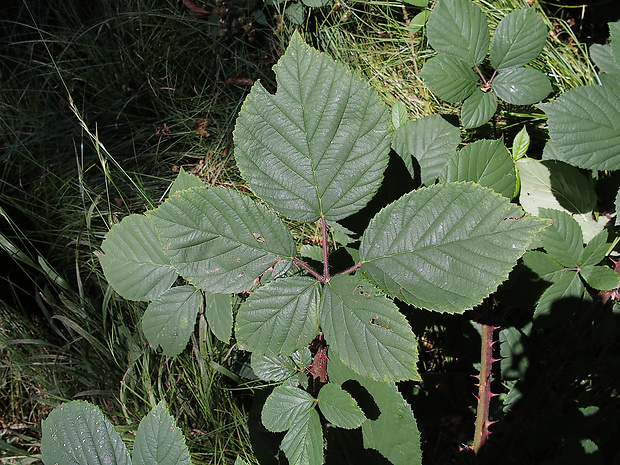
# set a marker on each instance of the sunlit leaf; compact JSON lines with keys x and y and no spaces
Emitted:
{"x":450,"y":79}
{"x":219,"y":314}
{"x":339,"y":408}
{"x":521,"y":86}
{"x":185,"y":180}
{"x":601,"y":278}
{"x":478,"y":108}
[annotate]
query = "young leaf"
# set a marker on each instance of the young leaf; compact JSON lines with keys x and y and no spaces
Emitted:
{"x":366,"y":330}
{"x":563,"y":240}
{"x":521,"y":144}
{"x":185,"y":180}
{"x":319,"y":146}
{"x":169,"y":319}
{"x":418,"y":21}
{"x":133,"y":260}
{"x":279,"y":317}
{"x":449,"y":78}
{"x":521,"y":86}
{"x":478,"y":108}
{"x":399,"y":114}
{"x":219,"y":239}
{"x":584,"y":125}
{"x":394,"y":433}
{"x":219,"y":313}
{"x":446,"y":247}
{"x":78,"y":433}
{"x":431,"y":140}
{"x":600,"y":278}
{"x":459,"y":28}
{"x":339,"y":408}
{"x":159,"y":441}
{"x":486,"y":162}
{"x":518,"y":39}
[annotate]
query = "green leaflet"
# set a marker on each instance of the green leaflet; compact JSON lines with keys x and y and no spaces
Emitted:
{"x":394,"y":433}
{"x":518,"y":39}
{"x":366,"y":330}
{"x":339,"y":408}
{"x":446,"y":247}
{"x":169,"y":320}
{"x":219,"y":313}
{"x":426,"y":144}
{"x":219,"y":239}
{"x":399,"y":114}
{"x":521,"y":86}
{"x":159,"y":441}
{"x":451,"y":79}
{"x":486,"y":162}
{"x":78,"y":433}
{"x":563,"y":240}
{"x":478,"y":108}
{"x":584,"y":125}
{"x":279,"y":317}
{"x":133,"y":260}
{"x":183,"y":181}
{"x":459,"y":28}
{"x":567,"y":286}
{"x":282,"y":368}
{"x":319,"y":146}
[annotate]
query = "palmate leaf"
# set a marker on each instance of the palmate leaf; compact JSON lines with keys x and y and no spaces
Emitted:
{"x":159,"y":441}
{"x":431,"y":141}
{"x":319,"y":146}
{"x":521,"y":86}
{"x":78,"y":433}
{"x":366,"y":330}
{"x":394,"y":433}
{"x":449,"y":78}
{"x":446,"y":247}
{"x":478,"y":108}
{"x":169,"y":320}
{"x":584,"y":125}
{"x":486,"y":162}
{"x":518,"y":39}
{"x":219,"y":239}
{"x":279,"y":317}
{"x":133,"y":260}
{"x":459,"y":28}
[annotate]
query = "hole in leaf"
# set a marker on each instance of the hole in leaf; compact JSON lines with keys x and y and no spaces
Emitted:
{"x":363,"y":398}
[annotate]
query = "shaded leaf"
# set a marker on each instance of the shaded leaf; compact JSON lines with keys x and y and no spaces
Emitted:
{"x":280,"y":317}
{"x":133,"y":260}
{"x":521,"y":86}
{"x":595,"y":251}
{"x":319,"y":146}
{"x":486,"y":162}
{"x":159,"y":441}
{"x":366,"y":330}
{"x":567,"y":286}
{"x":518,"y":39}
{"x":450,"y":79}
{"x":446,"y":247}
{"x":279,"y":368}
{"x":219,"y":314}
{"x":459,"y":28}
{"x":584,"y":125}
{"x":603,"y":56}
{"x":478,"y":109}
{"x":78,"y":433}
{"x":543,"y":265}
{"x":169,"y":319}
{"x":339,"y":408}
{"x":431,"y":140}
{"x":219,"y":239}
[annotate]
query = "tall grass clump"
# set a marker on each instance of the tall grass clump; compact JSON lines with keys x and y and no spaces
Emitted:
{"x":101,"y":104}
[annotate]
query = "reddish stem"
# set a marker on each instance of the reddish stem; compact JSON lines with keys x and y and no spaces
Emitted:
{"x":484,"y":388}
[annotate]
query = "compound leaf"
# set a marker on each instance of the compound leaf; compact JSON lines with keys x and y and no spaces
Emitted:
{"x":449,"y":78}
{"x":519,"y":38}
{"x":431,"y":141}
{"x":279,"y":317}
{"x":521,"y":86}
{"x":319,"y":146}
{"x":366,"y":330}
{"x":339,"y":408}
{"x":486,"y":162}
{"x":478,"y":108}
{"x":459,"y":28}
{"x":133,"y":260}
{"x":584,"y":125}
{"x":169,"y":319}
{"x":219,"y":313}
{"x":159,"y":441}
{"x":446,"y":247}
{"x":219,"y":239}
{"x":78,"y":433}
{"x":563,"y":240}
{"x":394,"y":433}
